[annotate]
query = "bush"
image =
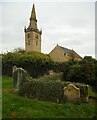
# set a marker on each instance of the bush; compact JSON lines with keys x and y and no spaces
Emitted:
{"x":81,"y":71}
{"x":49,"y":90}
{"x":54,"y":77}
{"x":74,"y":74}
{"x":35,"y":63}
{"x":84,"y":91}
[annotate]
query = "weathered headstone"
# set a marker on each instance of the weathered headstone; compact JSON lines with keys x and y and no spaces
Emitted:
{"x":72,"y":93}
{"x":19,"y":76}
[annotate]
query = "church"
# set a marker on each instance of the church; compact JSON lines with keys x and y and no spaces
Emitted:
{"x":33,"y":42}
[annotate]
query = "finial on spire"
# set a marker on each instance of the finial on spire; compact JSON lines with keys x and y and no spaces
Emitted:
{"x":33,"y":13}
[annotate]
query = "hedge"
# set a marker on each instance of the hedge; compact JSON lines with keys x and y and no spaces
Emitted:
{"x":49,"y":90}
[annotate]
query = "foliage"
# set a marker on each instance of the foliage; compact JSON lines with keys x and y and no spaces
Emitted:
{"x":50,"y":88}
{"x":38,"y":64}
{"x":88,"y":70}
{"x":54,"y":77}
{"x":82,"y":71}
{"x":35,"y":63}
{"x":43,"y":89}
{"x":19,"y":50}
{"x":74,"y":74}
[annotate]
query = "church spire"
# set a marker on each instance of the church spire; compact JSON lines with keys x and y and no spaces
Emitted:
{"x":33,"y":20}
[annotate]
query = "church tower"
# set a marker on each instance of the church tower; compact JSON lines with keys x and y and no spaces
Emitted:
{"x":32,"y":34}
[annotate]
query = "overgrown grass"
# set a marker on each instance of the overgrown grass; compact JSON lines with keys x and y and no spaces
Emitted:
{"x":15,"y":106}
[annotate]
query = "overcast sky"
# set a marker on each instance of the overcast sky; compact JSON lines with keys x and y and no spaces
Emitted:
{"x":69,"y":24}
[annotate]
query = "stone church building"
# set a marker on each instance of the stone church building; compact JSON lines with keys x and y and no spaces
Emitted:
{"x":33,"y":42}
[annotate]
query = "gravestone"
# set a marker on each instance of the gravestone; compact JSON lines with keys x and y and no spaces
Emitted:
{"x":72,"y":93}
{"x":19,"y":76}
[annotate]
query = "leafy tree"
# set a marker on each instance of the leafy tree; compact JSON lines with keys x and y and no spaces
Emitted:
{"x":83,"y":71}
{"x":35,"y":63}
{"x":88,"y":70}
{"x":18,"y":50}
{"x":73,"y":74}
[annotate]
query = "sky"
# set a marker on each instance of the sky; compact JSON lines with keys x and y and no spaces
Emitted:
{"x":69,"y":24}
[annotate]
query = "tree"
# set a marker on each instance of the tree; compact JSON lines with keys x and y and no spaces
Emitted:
{"x":88,"y":69}
{"x":35,"y":63}
{"x":19,"y":50}
{"x":74,"y":74}
{"x":84,"y":71}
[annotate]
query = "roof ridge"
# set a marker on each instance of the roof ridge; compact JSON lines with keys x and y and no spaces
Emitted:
{"x":64,"y":47}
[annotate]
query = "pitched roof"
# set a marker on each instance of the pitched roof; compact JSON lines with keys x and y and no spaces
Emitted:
{"x":66,"y":50}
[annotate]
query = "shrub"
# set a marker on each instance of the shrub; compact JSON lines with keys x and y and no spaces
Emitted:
{"x":49,"y":90}
{"x":54,"y":77}
{"x":84,"y":91}
{"x":81,"y":71}
{"x":35,"y":63}
{"x":74,"y":74}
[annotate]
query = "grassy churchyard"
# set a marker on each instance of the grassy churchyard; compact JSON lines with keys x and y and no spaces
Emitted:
{"x":15,"y":106}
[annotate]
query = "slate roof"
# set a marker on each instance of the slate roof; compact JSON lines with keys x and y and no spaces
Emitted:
{"x":66,"y":50}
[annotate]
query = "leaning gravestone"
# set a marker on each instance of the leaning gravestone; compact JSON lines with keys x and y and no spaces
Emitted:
{"x":19,"y":76}
{"x":72,"y":93}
